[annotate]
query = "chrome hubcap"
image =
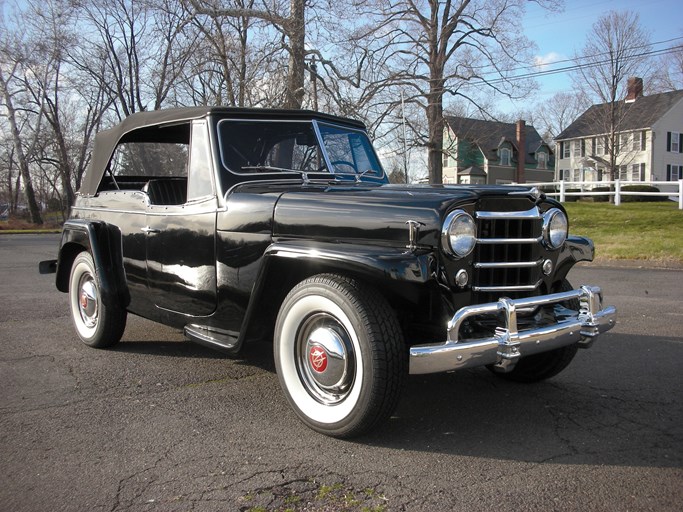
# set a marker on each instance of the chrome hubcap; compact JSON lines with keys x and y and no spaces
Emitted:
{"x":325,"y":358}
{"x":87,"y":302}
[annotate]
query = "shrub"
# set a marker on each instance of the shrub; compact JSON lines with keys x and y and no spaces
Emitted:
{"x":572,"y":199}
{"x":601,"y":199}
{"x":641,"y":199}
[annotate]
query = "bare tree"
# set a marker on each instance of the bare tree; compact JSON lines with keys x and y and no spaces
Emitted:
{"x":669,"y":75}
{"x":556,"y":113}
{"x":614,"y":51}
{"x":434,"y":50}
{"x":24,"y":74}
{"x":142,"y":45}
{"x":291,"y":23}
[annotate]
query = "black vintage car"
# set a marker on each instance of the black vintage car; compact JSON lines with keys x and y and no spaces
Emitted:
{"x":242,"y":224}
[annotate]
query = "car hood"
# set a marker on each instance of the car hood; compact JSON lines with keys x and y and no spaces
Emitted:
{"x":361,"y":213}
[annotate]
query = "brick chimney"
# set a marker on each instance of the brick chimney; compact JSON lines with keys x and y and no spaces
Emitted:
{"x":634,"y":88}
{"x":521,"y":153}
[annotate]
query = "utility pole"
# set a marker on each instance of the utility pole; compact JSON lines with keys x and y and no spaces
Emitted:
{"x":405,"y":151}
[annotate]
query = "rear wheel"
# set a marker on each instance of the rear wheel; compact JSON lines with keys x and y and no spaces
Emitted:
{"x":339,"y":355}
{"x":97,"y":324}
{"x":545,"y":365}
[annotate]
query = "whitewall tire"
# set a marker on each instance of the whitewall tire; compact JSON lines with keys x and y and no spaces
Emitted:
{"x":97,"y":324}
{"x":339,"y":355}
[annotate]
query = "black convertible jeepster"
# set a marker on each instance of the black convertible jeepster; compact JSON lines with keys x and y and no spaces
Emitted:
{"x":240,"y":224}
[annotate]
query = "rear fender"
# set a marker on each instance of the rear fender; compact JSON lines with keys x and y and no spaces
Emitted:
{"x":103,"y":242}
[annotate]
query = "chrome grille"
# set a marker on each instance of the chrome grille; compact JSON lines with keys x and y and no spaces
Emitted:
{"x":508,"y":254}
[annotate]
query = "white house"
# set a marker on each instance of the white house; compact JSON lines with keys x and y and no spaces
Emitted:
{"x":649,"y":145}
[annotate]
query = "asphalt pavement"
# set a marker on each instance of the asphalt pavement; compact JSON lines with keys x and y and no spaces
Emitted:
{"x":158,"y":423}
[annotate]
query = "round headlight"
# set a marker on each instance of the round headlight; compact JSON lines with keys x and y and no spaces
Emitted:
{"x":555,"y":228}
{"x":458,"y":234}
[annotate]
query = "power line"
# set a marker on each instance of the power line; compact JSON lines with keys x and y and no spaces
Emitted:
{"x":489,"y":66}
{"x":575,"y":67}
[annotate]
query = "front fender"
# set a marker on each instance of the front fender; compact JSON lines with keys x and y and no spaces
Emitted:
{"x":372,"y":261}
{"x":287,"y":263}
{"x":576,"y":248}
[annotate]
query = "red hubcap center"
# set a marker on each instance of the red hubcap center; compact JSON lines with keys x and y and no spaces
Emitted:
{"x":84,"y":300}
{"x":317,"y":356}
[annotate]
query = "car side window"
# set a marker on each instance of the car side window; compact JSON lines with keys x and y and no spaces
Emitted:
{"x":150,"y":159}
{"x":154,"y":161}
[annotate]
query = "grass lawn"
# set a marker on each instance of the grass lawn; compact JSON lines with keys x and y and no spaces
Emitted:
{"x":633,"y":231}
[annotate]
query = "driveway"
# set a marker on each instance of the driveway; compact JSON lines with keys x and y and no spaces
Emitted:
{"x":159,"y":423}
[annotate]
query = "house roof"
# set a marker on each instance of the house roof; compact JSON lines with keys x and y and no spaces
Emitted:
{"x":638,"y":115}
{"x":489,"y":134}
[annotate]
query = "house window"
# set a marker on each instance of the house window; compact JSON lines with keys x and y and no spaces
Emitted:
{"x":576,"y":146}
{"x":504,"y":156}
{"x":635,"y":172}
{"x":624,"y":140}
{"x":567,"y":150}
{"x":639,"y":141}
{"x":676,"y":172}
{"x":566,"y":175}
{"x":623,"y":172}
{"x":542,"y":160}
{"x":675,"y":142}
{"x":600,"y":146}
{"x":577,"y":175}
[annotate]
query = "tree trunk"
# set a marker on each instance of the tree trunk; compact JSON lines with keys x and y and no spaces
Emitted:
{"x":34,"y":209}
{"x":296,"y":31}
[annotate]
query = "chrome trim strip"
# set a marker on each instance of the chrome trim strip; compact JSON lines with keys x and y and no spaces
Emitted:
{"x":508,"y":344}
{"x":518,"y":264}
{"x":494,"y":241}
{"x":524,"y":288}
{"x":534,"y":213}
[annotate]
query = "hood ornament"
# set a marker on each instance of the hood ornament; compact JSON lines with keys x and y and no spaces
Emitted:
{"x":413,"y":234}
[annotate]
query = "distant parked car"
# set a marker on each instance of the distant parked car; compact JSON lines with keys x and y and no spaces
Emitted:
{"x":239,"y":224}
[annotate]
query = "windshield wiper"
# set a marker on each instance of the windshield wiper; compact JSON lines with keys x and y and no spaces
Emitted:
{"x":359,"y":175}
{"x":270,"y":168}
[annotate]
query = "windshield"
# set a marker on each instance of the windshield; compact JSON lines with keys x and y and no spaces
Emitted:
{"x":256,"y":146}
{"x":349,"y":151}
{"x":259,"y":146}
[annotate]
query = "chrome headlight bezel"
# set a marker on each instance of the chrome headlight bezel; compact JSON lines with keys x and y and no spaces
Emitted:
{"x":458,"y":234}
{"x":555,"y":228}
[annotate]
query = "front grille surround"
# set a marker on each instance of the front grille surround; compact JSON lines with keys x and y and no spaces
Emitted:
{"x":508,"y":255}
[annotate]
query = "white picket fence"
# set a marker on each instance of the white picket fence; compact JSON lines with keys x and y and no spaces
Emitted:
{"x":559,"y":189}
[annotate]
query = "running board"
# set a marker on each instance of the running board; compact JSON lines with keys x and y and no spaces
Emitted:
{"x":217,"y":339}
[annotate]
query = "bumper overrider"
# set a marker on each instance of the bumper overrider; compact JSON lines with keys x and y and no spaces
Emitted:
{"x":508,"y":344}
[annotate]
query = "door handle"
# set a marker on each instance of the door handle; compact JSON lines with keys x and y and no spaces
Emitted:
{"x":149,"y":230}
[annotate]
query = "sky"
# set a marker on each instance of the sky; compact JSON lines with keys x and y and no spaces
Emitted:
{"x":559,"y":35}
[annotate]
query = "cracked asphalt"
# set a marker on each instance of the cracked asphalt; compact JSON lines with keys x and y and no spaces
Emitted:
{"x":161,"y":424}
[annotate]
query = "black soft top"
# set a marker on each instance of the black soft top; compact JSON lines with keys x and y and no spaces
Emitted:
{"x":107,"y":140}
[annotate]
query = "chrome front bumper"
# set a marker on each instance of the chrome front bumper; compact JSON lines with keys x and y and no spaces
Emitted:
{"x":508,"y":344}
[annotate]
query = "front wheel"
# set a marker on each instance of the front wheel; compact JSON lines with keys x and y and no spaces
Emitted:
{"x":97,"y":324}
{"x":339,"y":355}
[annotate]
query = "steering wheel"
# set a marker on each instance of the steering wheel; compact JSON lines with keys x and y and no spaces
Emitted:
{"x":344,"y":162}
